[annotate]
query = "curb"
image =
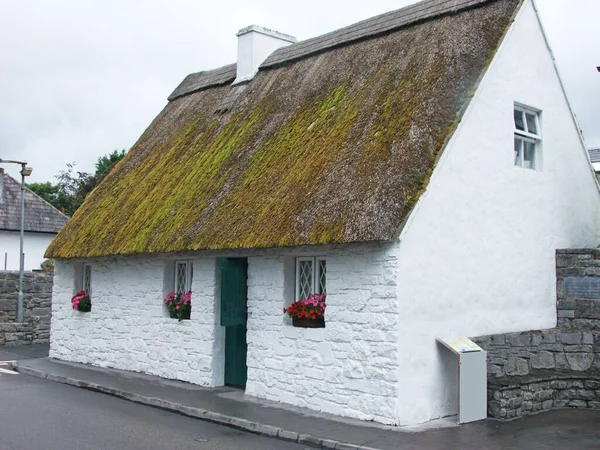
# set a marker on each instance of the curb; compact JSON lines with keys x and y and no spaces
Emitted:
{"x":197,"y":413}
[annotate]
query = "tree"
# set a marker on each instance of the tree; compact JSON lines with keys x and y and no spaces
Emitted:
{"x":73,"y":186}
{"x":52,"y":194}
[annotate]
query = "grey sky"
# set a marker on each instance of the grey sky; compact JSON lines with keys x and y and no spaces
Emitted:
{"x":80,"y":78}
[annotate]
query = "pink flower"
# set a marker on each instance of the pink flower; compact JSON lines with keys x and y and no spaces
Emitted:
{"x":322,"y":304}
{"x":177,"y":307}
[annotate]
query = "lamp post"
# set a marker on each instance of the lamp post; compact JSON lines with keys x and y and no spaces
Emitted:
{"x":25,"y":172}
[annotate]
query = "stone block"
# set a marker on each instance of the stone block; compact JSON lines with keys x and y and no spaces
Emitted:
{"x":558,"y":384}
{"x":494,"y":410}
{"x":592,"y":384}
{"x":561,"y":361}
{"x":536,"y":340}
{"x":578,"y":404}
{"x":585,"y":394}
{"x":580,"y":361}
{"x":547,"y":404}
{"x":587,"y":338}
{"x":594,"y":405}
{"x":516,"y":366}
{"x":541,"y":396}
{"x":527,"y":406}
{"x":543,"y":360}
{"x":560,"y":403}
{"x":518,"y":340}
{"x":566,"y":313}
{"x":567,"y":394}
{"x":548,"y":337}
{"x":578,"y":348}
{"x":569,"y":338}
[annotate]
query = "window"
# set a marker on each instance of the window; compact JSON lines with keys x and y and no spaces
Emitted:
{"x":527,"y":138}
{"x":311,"y":276}
{"x":184,"y":271}
{"x":86,"y":279}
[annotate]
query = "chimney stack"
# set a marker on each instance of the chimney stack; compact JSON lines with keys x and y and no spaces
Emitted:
{"x":255,"y":44}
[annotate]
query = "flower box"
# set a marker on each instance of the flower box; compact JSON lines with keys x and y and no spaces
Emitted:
{"x":309,"y":312}
{"x":179,"y":305}
{"x":81,"y":302}
{"x":309,"y":323}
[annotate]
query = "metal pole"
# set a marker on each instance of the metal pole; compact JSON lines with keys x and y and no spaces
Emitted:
{"x":21,"y":254}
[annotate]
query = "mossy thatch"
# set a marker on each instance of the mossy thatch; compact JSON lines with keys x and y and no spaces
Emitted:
{"x":333,"y":148}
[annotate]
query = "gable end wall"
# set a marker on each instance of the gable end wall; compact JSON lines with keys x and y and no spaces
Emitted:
{"x":477,"y":255}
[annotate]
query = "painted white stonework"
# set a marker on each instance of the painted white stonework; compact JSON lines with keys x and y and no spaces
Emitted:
{"x":34,"y":247}
{"x":255,"y":44}
{"x":128,"y":327}
{"x":475,"y":258}
{"x":478,"y":254}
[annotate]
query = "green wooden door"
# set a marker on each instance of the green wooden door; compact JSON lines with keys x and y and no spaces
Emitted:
{"x":234,"y":292}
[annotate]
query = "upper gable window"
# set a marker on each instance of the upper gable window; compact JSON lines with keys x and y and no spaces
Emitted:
{"x":527,"y":138}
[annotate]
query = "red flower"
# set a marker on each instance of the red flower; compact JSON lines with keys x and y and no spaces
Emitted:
{"x":314,"y":317}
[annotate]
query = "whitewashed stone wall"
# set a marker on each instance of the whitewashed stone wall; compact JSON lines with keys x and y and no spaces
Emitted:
{"x":349,"y":368}
{"x":128,"y":327}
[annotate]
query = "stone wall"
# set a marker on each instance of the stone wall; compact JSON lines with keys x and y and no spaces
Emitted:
{"x":560,"y":367}
{"x":578,"y":288}
{"x":37,"y":301}
{"x":517,"y":354}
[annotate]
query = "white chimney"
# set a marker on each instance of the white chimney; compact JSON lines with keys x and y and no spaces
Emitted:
{"x":255,"y":44}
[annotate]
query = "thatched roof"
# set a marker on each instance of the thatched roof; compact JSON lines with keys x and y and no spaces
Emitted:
{"x":332,"y":143}
{"x":40,"y":216}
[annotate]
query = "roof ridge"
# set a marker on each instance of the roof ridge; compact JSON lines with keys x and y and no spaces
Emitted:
{"x":382,"y":23}
{"x":364,"y":29}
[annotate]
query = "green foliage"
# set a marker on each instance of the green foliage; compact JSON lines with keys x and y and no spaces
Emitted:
{"x":52,"y":193}
{"x":72,"y":186}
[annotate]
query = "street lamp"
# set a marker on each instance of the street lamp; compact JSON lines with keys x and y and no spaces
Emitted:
{"x":25,"y":172}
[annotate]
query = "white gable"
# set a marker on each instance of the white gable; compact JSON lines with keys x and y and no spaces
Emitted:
{"x":479,"y":250}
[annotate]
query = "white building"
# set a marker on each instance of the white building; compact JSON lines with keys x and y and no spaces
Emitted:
{"x":42,"y":222}
{"x":420,"y":167}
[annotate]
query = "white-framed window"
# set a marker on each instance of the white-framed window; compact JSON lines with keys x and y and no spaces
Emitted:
{"x":184,"y":271}
{"x":527,"y":137}
{"x":311,"y":276}
{"x":86,"y":279}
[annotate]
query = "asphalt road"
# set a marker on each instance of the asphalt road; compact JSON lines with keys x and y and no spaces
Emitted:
{"x":38,"y":414}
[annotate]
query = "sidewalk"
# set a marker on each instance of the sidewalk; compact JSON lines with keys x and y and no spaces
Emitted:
{"x":24,"y":352}
{"x":558,"y":429}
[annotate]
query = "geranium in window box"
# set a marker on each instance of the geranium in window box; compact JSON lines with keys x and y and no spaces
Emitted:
{"x":308,"y":313}
{"x":81,"y":302}
{"x":179,"y":305}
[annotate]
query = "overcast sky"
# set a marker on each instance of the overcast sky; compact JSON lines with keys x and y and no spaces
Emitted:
{"x":80,"y":78}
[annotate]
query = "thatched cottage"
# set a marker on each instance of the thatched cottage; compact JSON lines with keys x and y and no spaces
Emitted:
{"x":420,"y":168}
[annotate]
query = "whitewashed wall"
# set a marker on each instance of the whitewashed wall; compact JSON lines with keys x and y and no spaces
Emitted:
{"x":128,"y":327}
{"x":478,"y":255}
{"x":348,"y":368}
{"x":34,"y":247}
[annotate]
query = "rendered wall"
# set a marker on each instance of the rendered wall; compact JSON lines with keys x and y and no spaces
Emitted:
{"x":34,"y":247}
{"x":348,"y":368}
{"x":477,"y":256}
{"x":128,"y":327}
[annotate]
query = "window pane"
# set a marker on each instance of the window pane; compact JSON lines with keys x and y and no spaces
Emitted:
{"x":181,"y":278}
{"x":518,"y":152}
{"x":322,"y":277}
{"x":305,"y":281}
{"x":190,"y":277}
{"x":87,"y":279}
{"x":529,"y":155}
{"x":519,"y":122}
{"x":531,"y":125}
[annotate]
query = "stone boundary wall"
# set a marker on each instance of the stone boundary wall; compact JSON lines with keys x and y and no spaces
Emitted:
{"x":544,"y":369}
{"x":37,"y":303}
{"x":517,"y":396}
